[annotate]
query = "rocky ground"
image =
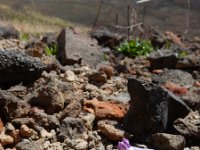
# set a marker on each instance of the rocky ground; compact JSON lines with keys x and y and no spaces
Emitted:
{"x":90,"y":97}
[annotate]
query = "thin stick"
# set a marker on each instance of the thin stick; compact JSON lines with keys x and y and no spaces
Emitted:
{"x":128,"y":21}
{"x":97,"y":16}
{"x":116,"y":21}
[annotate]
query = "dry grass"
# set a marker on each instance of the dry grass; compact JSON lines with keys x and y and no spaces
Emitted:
{"x":31,"y":22}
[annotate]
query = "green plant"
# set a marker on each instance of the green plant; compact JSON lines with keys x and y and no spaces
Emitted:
{"x":135,"y":48}
{"x":51,"y":50}
{"x":182,"y":54}
{"x":24,"y":36}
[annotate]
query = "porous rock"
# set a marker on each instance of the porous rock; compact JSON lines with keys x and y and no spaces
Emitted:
{"x":17,"y":67}
{"x":72,"y":128}
{"x":12,"y":107}
{"x":49,"y":97}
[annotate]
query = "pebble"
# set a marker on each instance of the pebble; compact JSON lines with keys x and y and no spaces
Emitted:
{"x":6,"y":139}
{"x":9,"y":127}
{"x":25,"y":131}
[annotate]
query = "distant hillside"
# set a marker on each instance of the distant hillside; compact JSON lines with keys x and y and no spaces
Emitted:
{"x":166,"y":14}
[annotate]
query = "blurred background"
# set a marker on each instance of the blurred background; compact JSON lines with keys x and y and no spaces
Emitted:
{"x":180,"y":16}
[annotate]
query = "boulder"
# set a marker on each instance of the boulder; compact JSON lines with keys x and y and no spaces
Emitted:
{"x":16,"y":67}
{"x":75,"y":48}
{"x":153,"y":109}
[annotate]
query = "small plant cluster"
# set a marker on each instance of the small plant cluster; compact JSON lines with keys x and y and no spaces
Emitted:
{"x":51,"y":50}
{"x":135,"y":48}
{"x":24,"y":36}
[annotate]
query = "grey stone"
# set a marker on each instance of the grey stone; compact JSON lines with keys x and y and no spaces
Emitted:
{"x":72,"y":128}
{"x":192,"y":99}
{"x":74,"y":48}
{"x":30,"y":122}
{"x":28,"y":145}
{"x":16,"y":67}
{"x":72,"y":110}
{"x":191,"y":61}
{"x":45,"y":120}
{"x":48,"y":96}
{"x":153,"y":109}
{"x":12,"y":107}
{"x":189,"y":127}
{"x":163,"y":141}
{"x":176,"y":76}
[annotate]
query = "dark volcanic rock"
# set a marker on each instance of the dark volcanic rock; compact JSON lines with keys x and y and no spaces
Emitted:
{"x":153,"y":109}
{"x":74,"y":48}
{"x":163,"y":141}
{"x":12,"y":107}
{"x":8,"y":32}
{"x":163,"y":59}
{"x":16,"y":67}
{"x":72,"y":128}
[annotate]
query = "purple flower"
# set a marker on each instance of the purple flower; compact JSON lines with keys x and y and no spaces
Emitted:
{"x":124,"y":145}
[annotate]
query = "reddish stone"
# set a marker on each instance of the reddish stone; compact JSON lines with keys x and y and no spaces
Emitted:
{"x":175,"y":88}
{"x":108,"y":70}
{"x":105,"y":109}
{"x":197,"y":84}
{"x":1,"y":126}
{"x":174,"y":38}
{"x":16,"y":136}
{"x":157,"y":71}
